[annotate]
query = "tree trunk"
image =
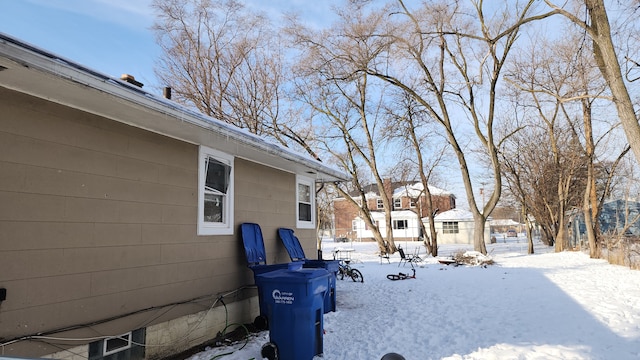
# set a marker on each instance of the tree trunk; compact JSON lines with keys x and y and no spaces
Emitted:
{"x":589,"y":206}
{"x":528,"y":229}
{"x":561,"y":232}
{"x":478,"y":233}
{"x":607,"y":60}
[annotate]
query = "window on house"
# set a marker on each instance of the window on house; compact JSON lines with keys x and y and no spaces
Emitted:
{"x":450,"y":227}
{"x":412,"y":203}
{"x":215,"y":195}
{"x":380,"y":204}
{"x":117,"y":343}
{"x":376,"y":222}
{"x":400,"y":224}
{"x":354,"y":225}
{"x":305,"y":199}
{"x":397,"y":203}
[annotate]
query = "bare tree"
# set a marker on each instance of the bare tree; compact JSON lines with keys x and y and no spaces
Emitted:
{"x":411,"y":126}
{"x":547,"y":79}
{"x":458,"y":59}
{"x":227,"y":62}
{"x":349,"y":105}
{"x":566,"y":82}
{"x":597,"y":26}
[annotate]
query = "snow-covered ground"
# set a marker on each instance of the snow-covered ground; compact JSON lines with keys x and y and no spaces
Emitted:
{"x":543,"y":306}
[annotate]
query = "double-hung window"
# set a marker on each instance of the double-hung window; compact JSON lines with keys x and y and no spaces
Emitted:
{"x":400,"y":224}
{"x":306,"y":204}
{"x":397,"y":203}
{"x":215,"y":192}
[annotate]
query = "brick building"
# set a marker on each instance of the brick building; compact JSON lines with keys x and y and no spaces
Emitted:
{"x":409,"y":205}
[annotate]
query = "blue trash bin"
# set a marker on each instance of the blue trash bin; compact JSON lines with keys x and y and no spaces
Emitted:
{"x":294,"y":298}
{"x":257,"y":270}
{"x":257,"y":258}
{"x":332,"y":267}
{"x":296,"y":253}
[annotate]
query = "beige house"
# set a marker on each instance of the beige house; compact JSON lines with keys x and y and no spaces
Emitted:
{"x":120,"y":211}
{"x":456,"y":226}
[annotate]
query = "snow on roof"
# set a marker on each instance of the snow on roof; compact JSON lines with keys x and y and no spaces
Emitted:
{"x":40,"y":73}
{"x":503,"y":222}
{"x":454,"y":214}
{"x":415,"y":190}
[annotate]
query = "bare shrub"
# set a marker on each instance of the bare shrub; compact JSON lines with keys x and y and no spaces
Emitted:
{"x":473,"y":258}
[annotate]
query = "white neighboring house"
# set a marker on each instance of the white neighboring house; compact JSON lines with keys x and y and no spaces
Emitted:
{"x":456,"y":227}
{"x":404,"y":222}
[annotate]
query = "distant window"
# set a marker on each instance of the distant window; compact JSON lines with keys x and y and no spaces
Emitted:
{"x":305,"y":199}
{"x":215,"y":195}
{"x":375,"y":222}
{"x":380,"y":204}
{"x":397,"y":203}
{"x":354,"y":225}
{"x":400,"y":224}
{"x":450,"y":227}
{"x":117,"y":343}
{"x":412,"y":203}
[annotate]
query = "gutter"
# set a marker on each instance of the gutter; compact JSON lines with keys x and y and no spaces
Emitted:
{"x":35,"y":58}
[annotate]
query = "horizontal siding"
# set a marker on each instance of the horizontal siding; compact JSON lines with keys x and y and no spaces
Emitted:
{"x":98,"y":219}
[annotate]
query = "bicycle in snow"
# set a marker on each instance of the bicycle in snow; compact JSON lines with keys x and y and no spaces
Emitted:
{"x":344,"y":269}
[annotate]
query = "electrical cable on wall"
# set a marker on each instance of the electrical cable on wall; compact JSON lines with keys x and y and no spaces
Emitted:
{"x":44,"y":336}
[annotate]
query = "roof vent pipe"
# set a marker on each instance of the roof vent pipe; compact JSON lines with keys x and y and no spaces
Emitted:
{"x":166,"y":92}
{"x":131,"y":80}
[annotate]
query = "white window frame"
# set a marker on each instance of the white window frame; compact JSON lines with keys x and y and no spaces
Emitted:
{"x":379,"y":204}
{"x":302,"y":224}
{"x":226,"y":226}
{"x":404,"y":222}
{"x":450,"y":227}
{"x":124,"y":337}
{"x":397,"y":203}
{"x":354,"y":225}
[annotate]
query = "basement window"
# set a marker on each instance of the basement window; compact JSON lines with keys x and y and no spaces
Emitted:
{"x":215,"y":192}
{"x":116,"y":344}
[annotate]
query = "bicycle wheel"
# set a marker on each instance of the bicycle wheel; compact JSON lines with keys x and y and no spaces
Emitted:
{"x":356,"y":275}
{"x":340,"y":274}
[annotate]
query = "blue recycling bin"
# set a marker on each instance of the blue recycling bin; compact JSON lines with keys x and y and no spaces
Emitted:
{"x":294,"y":298}
{"x":257,"y":271}
{"x":332,"y":267}
{"x":257,"y":258}
{"x":296,"y":253}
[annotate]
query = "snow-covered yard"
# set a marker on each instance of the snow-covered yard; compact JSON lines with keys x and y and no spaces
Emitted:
{"x":542,"y":306}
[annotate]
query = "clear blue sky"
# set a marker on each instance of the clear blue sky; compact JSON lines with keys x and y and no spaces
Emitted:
{"x":112,"y":36}
{"x":115,"y":37}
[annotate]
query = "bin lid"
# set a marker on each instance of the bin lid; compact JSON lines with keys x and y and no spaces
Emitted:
{"x":253,"y":244}
{"x":304,"y":275}
{"x":292,"y":244}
